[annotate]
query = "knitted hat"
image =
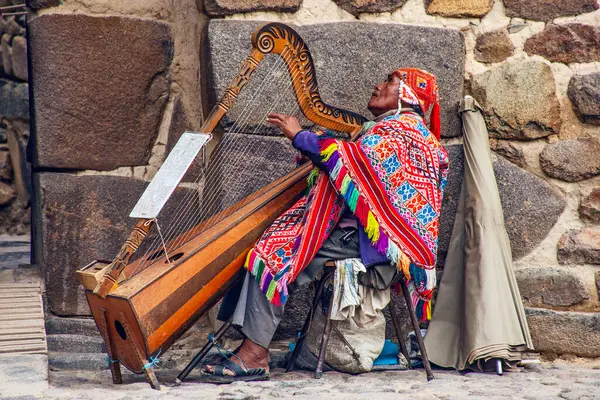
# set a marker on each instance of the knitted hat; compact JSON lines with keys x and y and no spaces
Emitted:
{"x":419,"y":89}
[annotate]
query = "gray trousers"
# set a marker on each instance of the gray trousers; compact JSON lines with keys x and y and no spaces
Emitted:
{"x":258,"y":319}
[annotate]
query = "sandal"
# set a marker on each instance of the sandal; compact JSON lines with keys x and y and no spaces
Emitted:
{"x":241,"y":374}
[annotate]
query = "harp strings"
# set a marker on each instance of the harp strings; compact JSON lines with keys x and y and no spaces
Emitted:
{"x":223,"y":151}
{"x":189,"y":200}
{"x":182,"y":228}
{"x":263,"y":150}
{"x":185,"y":216}
{"x":218,"y":154}
{"x":213,"y":198}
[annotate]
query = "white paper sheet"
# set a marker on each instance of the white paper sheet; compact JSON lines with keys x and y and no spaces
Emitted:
{"x":169,"y":175}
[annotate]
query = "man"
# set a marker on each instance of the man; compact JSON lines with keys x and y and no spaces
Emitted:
{"x":377,"y":199}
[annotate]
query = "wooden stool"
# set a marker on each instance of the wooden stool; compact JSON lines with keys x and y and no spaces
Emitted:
{"x":328,"y":273}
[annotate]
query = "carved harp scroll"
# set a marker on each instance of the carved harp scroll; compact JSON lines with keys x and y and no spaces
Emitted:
{"x":271,"y":38}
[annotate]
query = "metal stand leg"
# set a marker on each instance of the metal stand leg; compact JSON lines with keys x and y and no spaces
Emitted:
{"x":202,"y":353}
{"x":399,"y":335}
{"x":324,"y":341}
{"x":499,"y":366}
{"x":415,"y":323}
{"x":299,"y":343}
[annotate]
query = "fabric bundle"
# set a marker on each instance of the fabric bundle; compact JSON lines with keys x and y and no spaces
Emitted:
{"x":345,"y":288}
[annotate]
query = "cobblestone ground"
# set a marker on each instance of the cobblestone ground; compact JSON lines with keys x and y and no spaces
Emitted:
{"x":558,"y":380}
{"x":26,"y":377}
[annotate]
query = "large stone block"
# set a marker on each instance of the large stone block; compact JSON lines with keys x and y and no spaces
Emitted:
{"x":351,"y":58}
{"x":493,"y":47}
{"x":584,"y":92}
{"x":81,"y":219}
{"x":553,"y":287}
{"x":227,"y":7}
{"x":556,"y":332}
{"x":450,"y":203}
{"x":14,"y":100}
{"x":580,"y":246}
{"x":531,"y":206}
{"x":547,"y":10}
{"x":571,"y":160}
{"x":459,"y":8}
{"x":570,"y":43}
{"x":519,"y":99}
{"x":357,"y":7}
{"x":100,"y":105}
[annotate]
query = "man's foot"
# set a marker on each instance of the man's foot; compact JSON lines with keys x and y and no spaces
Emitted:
{"x":249,"y":355}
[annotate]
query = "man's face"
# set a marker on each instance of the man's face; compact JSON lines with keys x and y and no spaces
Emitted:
{"x":385,"y":96}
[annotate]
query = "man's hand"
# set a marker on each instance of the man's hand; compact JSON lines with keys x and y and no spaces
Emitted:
{"x":288,"y":124}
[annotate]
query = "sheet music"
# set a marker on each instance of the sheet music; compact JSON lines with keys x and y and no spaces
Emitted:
{"x":169,"y":175}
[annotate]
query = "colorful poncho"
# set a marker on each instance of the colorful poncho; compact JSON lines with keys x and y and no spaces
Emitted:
{"x":392,"y":179}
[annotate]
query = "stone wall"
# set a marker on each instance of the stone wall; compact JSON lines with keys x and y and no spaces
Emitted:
{"x":534,"y":66}
{"x":14,"y":124}
{"x":110,"y":81}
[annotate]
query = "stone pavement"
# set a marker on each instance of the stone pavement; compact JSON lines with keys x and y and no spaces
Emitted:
{"x":23,"y":375}
{"x":23,"y":378}
{"x":27,"y":376}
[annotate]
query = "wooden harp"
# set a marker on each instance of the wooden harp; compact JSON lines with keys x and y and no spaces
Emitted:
{"x":142,"y":305}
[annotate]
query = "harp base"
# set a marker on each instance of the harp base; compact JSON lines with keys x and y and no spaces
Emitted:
{"x":118,"y":326}
{"x":120,"y":330}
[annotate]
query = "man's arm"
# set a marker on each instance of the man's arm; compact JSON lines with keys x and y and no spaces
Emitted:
{"x":304,"y":141}
{"x":308,"y":144}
